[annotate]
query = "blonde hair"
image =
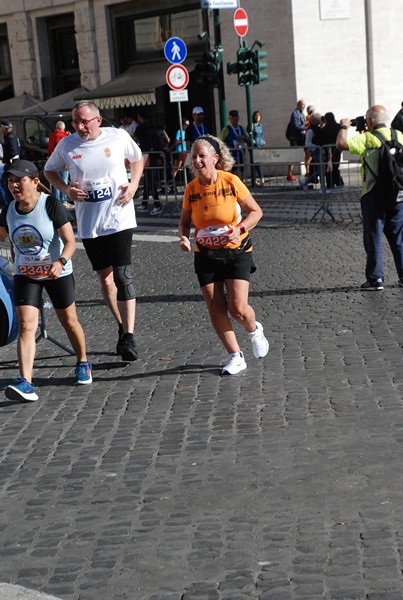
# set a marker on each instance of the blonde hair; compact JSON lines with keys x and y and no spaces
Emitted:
{"x":214,"y":145}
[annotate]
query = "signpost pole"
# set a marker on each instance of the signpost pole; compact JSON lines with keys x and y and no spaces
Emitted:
{"x":250,"y":132}
{"x":221,"y":88}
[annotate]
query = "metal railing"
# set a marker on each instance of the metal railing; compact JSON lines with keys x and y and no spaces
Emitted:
{"x":170,"y":175}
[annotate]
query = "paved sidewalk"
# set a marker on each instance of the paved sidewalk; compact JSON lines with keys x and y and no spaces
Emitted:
{"x":165,"y":481}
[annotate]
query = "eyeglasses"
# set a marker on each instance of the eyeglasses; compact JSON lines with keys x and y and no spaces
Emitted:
{"x":83,"y":121}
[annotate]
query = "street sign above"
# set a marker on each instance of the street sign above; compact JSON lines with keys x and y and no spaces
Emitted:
{"x":214,"y":4}
{"x":241,"y":22}
{"x":177,"y":77}
{"x":175,"y":50}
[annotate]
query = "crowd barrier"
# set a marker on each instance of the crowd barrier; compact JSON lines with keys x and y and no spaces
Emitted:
{"x":274,"y":163}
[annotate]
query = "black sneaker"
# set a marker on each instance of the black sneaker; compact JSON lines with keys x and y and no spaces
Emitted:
{"x":120,"y":337}
{"x":373,"y":285}
{"x":127,"y":347}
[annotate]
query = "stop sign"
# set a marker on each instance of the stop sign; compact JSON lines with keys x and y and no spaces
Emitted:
{"x":241,"y":22}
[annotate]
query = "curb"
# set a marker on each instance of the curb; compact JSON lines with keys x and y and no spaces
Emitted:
{"x":16,"y":592}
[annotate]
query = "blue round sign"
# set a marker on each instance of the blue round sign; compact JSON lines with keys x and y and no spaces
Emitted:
{"x":175,"y":50}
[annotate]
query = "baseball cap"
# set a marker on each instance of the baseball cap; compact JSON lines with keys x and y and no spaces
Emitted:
{"x":20,"y":168}
{"x":5,"y":123}
{"x":197,"y":110}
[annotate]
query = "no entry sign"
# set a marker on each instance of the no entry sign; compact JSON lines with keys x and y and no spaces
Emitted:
{"x":241,"y":22}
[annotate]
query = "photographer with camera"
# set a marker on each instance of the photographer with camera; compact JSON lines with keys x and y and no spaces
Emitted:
{"x":379,"y":213}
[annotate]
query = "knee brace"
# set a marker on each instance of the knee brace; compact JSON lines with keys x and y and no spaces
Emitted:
{"x":122,"y":277}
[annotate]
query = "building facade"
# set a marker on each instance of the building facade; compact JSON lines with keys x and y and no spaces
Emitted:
{"x":340,"y":55}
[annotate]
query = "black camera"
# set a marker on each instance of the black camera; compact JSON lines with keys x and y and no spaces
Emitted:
{"x":359,"y":123}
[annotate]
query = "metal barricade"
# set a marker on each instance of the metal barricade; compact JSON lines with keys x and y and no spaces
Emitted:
{"x":338,"y":177}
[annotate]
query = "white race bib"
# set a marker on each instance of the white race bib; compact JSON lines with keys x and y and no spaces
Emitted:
{"x":213,"y":237}
{"x":98,"y":190}
{"x":34,"y":267}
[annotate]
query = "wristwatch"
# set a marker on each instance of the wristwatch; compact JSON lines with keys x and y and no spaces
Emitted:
{"x":242,"y":228}
{"x":63,"y":261}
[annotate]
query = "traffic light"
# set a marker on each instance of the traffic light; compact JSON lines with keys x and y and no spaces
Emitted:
{"x":232,"y":68}
{"x":212,"y":60}
{"x":259,"y":66}
{"x":245,"y":58}
{"x":207,"y":72}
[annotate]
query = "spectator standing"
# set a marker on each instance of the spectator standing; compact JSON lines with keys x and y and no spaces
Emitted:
{"x":259,"y":141}
{"x":397,"y":122}
{"x":58,"y":134}
{"x":11,"y":143}
{"x":103,"y":197}
{"x":128,"y":124}
{"x":297,"y":136}
{"x":197,"y":128}
{"x":11,"y":151}
{"x":314,"y":140}
{"x":214,"y":201}
{"x":150,"y":141}
{"x":42,"y":243}
{"x":180,"y":146}
{"x":379,"y":215}
{"x":236,"y":138}
{"x":330,"y":132}
{"x":309,"y":112}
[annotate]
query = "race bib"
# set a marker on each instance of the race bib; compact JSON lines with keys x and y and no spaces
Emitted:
{"x":213,"y":237}
{"x":34,"y":267}
{"x":98,"y":190}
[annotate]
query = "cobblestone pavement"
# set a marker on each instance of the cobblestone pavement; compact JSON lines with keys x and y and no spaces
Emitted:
{"x":164,"y":481}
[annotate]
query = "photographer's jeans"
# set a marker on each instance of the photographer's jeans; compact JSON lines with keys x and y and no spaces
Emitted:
{"x":377,"y":220}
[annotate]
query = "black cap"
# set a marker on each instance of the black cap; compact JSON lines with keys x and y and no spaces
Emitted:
{"x":5,"y":123}
{"x":20,"y":168}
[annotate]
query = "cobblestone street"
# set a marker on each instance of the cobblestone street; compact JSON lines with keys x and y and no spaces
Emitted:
{"x":165,"y":481}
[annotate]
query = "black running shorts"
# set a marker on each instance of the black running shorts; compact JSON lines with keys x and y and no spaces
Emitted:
{"x":114,"y":250}
{"x":211,"y":271}
{"x":28,"y":292}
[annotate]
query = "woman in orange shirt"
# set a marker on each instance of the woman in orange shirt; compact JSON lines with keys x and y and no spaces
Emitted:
{"x":214,"y":201}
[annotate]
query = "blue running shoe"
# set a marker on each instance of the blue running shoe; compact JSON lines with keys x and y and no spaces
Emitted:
{"x":373,"y":285}
{"x":83,"y":373}
{"x":21,"y":389}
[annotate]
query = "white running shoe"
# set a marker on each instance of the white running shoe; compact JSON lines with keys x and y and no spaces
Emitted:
{"x":235,"y":365}
{"x":260,"y":345}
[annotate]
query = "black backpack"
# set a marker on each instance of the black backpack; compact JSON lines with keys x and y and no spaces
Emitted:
{"x":390,"y":167}
{"x":289,"y":131}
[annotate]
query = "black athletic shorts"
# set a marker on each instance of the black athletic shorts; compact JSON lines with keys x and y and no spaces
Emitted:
{"x":28,"y":292}
{"x":114,"y":250}
{"x":208,"y":270}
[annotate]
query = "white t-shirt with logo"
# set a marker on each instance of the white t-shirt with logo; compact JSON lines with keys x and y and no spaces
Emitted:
{"x":99,"y":166}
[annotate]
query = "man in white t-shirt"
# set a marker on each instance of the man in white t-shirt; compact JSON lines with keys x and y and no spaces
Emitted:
{"x":95,"y":157}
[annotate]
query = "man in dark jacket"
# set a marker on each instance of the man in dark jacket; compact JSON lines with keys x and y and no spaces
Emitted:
{"x":397,"y":122}
{"x":11,"y":144}
{"x":297,"y":121}
{"x":147,"y":137}
{"x":11,"y":151}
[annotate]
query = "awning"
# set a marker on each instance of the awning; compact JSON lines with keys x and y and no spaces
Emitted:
{"x":62,"y":103}
{"x":134,"y":87}
{"x":13,"y":106}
